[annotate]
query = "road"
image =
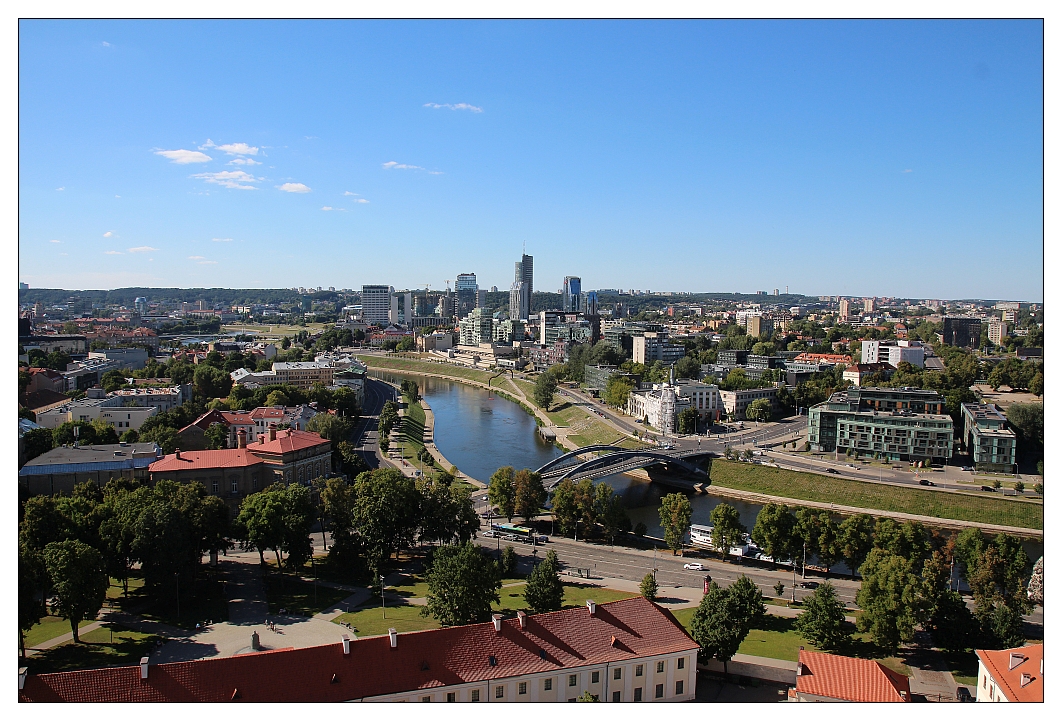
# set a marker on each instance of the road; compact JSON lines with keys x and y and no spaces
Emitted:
{"x":365,"y":431}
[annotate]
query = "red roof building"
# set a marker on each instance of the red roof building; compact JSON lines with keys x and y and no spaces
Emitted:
{"x":630,"y":650}
{"x":828,"y":677}
{"x":231,"y":474}
{"x":1013,"y":674}
{"x":296,"y":456}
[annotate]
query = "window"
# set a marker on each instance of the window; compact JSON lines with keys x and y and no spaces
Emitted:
{"x":659,"y":666}
{"x":425,"y":699}
{"x":616,"y":696}
{"x":522,"y":688}
{"x":215,"y":486}
{"x":660,"y":690}
{"x":595,"y":677}
{"x":638,"y":694}
{"x":617,"y":674}
{"x":235,"y":485}
{"x":678,"y":688}
{"x":475,"y":694}
{"x":638,"y":670}
{"x":254,"y":484}
{"x":682,"y":663}
{"x":573,"y":679}
{"x":547,"y":685}
{"x":499,"y":692}
{"x":451,"y":697}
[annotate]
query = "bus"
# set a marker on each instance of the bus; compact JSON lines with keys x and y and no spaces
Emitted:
{"x":701,"y":537}
{"x":525,"y":534}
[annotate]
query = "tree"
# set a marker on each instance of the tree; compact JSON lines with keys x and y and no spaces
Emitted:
{"x":727,"y":530}
{"x":64,"y":434}
{"x":891,"y":598}
{"x":951,"y":623}
{"x":687,"y":421}
{"x":211,"y":382}
{"x":78,"y":578}
{"x":648,"y":587}
{"x":386,"y":514}
{"x":529,"y":493}
{"x":617,"y":390}
{"x":822,"y":621}
{"x":335,"y":428}
{"x":30,"y":606}
{"x":36,"y":442}
{"x":855,"y":539}
{"x":909,"y":540}
{"x":545,"y":388}
{"x":112,"y":380}
{"x":774,"y":531}
{"x":747,"y":602}
{"x":611,"y":512}
{"x":759,"y":410}
{"x":277,"y":398}
{"x":217,"y":436}
{"x":462,"y":585}
{"x":164,"y":436}
{"x":260,"y":521}
{"x":502,"y":491}
{"x":544,"y":591}
{"x":337,"y":500}
{"x":828,"y":546}
{"x":299,"y":517}
{"x":587,"y":697}
{"x":565,"y":507}
{"x":508,"y":562}
{"x":715,"y":626}
{"x":675,"y":515}
{"x":688,"y":367}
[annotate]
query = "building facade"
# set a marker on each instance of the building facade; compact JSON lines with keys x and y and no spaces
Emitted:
{"x":736,"y":402}
{"x":654,"y":346}
{"x":1013,"y":675}
{"x":960,"y":331}
{"x":573,"y":294}
{"x":376,"y":303}
{"x":60,"y":469}
{"x":893,"y":352}
{"x":476,"y":327}
{"x":992,"y":445}
{"x":304,"y":374}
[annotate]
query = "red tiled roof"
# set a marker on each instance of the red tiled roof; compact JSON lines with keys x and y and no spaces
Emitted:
{"x":1009,"y":680}
{"x":289,"y":441}
{"x":196,"y":460}
{"x":850,"y":679}
{"x":234,"y":418}
{"x":206,"y":420}
{"x":267,"y":412}
{"x":424,"y":659}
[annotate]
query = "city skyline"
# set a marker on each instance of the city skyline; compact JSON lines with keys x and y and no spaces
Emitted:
{"x":633,"y":155}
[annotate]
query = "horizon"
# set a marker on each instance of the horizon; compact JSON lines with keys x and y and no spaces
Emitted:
{"x":631,"y":154}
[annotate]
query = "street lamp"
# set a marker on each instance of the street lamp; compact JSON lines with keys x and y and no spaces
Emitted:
{"x":383,"y":601}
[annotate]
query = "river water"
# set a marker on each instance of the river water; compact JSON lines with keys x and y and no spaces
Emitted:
{"x":479,"y":433}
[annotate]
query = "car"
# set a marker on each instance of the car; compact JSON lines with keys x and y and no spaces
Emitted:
{"x":693,"y":566}
{"x":541,"y":539}
{"x":490,"y":534}
{"x":988,"y":488}
{"x":831,"y":470}
{"x":510,"y":537}
{"x":924,"y":482}
{"x":809,"y":584}
{"x":967,"y":468}
{"x":962,"y":695}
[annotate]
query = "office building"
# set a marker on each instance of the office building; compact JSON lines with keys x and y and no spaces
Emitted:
{"x":519,"y":301}
{"x":759,"y":325}
{"x":401,"y":314}
{"x":304,"y":374}
{"x":466,"y":291}
{"x":703,"y":397}
{"x":475,"y":328}
{"x":141,"y":305}
{"x":525,"y":273}
{"x":732,"y":357}
{"x":590,"y":304}
{"x":735,"y":403}
{"x":992,"y":446}
{"x":508,"y":331}
{"x":376,"y":304}
{"x":893,"y":352}
{"x":961,"y":332}
{"x":654,"y":346}
{"x":573,"y":294}
{"x":900,"y":424}
{"x":131,"y":358}
{"x":997,"y":331}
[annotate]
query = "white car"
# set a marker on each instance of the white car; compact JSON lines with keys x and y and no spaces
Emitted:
{"x":693,"y":566}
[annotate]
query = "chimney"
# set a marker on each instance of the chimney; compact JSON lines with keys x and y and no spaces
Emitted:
{"x":272,"y":431}
{"x":592,"y":606}
{"x":178,"y":453}
{"x":497,"y":618}
{"x":143,"y":668}
{"x":22,"y":677}
{"x":394,"y":637}
{"x":241,"y":438}
{"x":346,"y":645}
{"x":261,"y":439}
{"x":1016,"y":660}
{"x":522,"y":618}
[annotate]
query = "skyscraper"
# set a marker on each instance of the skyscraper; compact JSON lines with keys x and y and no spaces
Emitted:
{"x":466,"y":290}
{"x":573,"y":287}
{"x":376,"y":303}
{"x":525,"y":273}
{"x":519,"y":301}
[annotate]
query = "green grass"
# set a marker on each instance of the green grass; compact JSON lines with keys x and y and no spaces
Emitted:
{"x":297,"y":596}
{"x":575,"y":596}
{"x":409,"y":365}
{"x":861,"y":494}
{"x":370,"y":621}
{"x":116,"y":590}
{"x":50,"y":627}
{"x":112,"y":645}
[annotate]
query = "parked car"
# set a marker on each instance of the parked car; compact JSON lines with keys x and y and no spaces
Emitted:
{"x":693,"y":566}
{"x":809,"y":584}
{"x":924,"y":482}
{"x":510,"y":537}
{"x":491,"y":534}
{"x":541,"y":539}
{"x":967,"y":468}
{"x":831,"y":470}
{"x":988,"y":488}
{"x":962,"y":694}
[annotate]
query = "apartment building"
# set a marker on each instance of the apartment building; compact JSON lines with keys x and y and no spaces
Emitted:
{"x":376,"y":303}
{"x":654,"y":346}
{"x":736,"y":402}
{"x":997,"y":331}
{"x":110,"y":410}
{"x":304,"y":374}
{"x":993,"y":446}
{"x":624,"y":651}
{"x":1013,"y":675}
{"x":162,"y":398}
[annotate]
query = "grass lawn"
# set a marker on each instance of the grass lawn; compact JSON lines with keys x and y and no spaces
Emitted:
{"x":409,"y":365}
{"x":963,"y":667}
{"x":116,"y":590}
{"x":861,"y":494}
{"x":205,"y":600}
{"x":297,"y":596}
{"x":112,"y":645}
{"x":575,"y":595}
{"x":277,"y":330}
{"x":370,"y":621}
{"x":50,"y":627}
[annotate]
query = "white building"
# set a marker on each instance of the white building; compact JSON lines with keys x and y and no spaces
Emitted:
{"x":111,"y":410}
{"x":703,"y":397}
{"x":1011,"y":675}
{"x":735,"y":402}
{"x":376,"y":303}
{"x":660,"y":405}
{"x":893,"y":352}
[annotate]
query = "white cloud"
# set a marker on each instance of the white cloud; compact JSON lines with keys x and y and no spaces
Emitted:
{"x":106,"y":44}
{"x":207,"y":262}
{"x":113,"y":252}
{"x":117,"y":196}
{"x":184,"y":157}
{"x":196,"y":257}
{"x":142,"y":249}
{"x":392,"y":165}
{"x":327,"y":207}
{"x":61,"y":188}
{"x":294,"y":188}
{"x":359,"y":200}
{"x":108,"y":234}
{"x":231,"y":148}
{"x":55,"y":241}
{"x":347,"y":192}
{"x":230,"y":179}
{"x":243,"y":161}
{"x":908,"y":170}
{"x":222,"y":240}
{"x":454,"y":106}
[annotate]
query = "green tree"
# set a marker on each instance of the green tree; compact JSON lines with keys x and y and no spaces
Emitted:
{"x":78,"y":578}
{"x":855,"y":539}
{"x":565,"y":507}
{"x":544,"y":591}
{"x":502,"y":491}
{"x":545,"y":388}
{"x":822,"y":621}
{"x":217,"y":436}
{"x":386,"y":514}
{"x":36,"y":442}
{"x":508,"y":562}
{"x":611,"y":512}
{"x":299,"y":517}
{"x":211,"y":382}
{"x":64,"y":434}
{"x":716,"y":627}
{"x":829,"y":549}
{"x":617,"y":390}
{"x":529,"y":493}
{"x":462,"y":585}
{"x":112,"y":380}
{"x":687,"y":421}
{"x":587,"y":697}
{"x":648,"y":587}
{"x":951,"y":623}
{"x":891,"y":598}
{"x":747,"y":602}
{"x":335,"y":428}
{"x":909,"y":539}
{"x":30,"y":601}
{"x":260,"y":521}
{"x":727,"y":530}
{"x":759,"y":410}
{"x":277,"y":398}
{"x":164,"y":436}
{"x":337,"y":501}
{"x":688,"y":367}
{"x":675,"y":515}
{"x":774,"y":531}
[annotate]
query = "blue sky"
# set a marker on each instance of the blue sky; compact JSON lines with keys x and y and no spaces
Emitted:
{"x":866,"y":158}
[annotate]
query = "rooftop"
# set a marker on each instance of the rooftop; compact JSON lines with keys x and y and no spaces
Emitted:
{"x":850,"y":679}
{"x":199,"y":460}
{"x":984,"y":412}
{"x":74,"y":459}
{"x":616,"y":632}
{"x":1018,"y":672}
{"x":288,"y":441}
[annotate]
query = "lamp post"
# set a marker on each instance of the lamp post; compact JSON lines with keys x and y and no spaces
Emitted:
{"x":383,"y":601}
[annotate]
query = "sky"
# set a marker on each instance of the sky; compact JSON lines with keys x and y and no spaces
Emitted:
{"x":884,"y":158}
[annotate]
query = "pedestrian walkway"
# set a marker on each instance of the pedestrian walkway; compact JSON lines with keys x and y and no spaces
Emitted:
{"x":64,"y":638}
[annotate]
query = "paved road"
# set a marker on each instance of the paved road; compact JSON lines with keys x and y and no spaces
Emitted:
{"x":365,"y":432}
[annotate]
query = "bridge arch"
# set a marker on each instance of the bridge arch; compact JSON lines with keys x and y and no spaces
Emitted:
{"x":649,"y":458}
{"x":561,"y":460}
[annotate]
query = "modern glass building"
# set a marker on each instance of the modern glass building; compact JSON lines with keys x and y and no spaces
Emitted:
{"x":992,"y":445}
